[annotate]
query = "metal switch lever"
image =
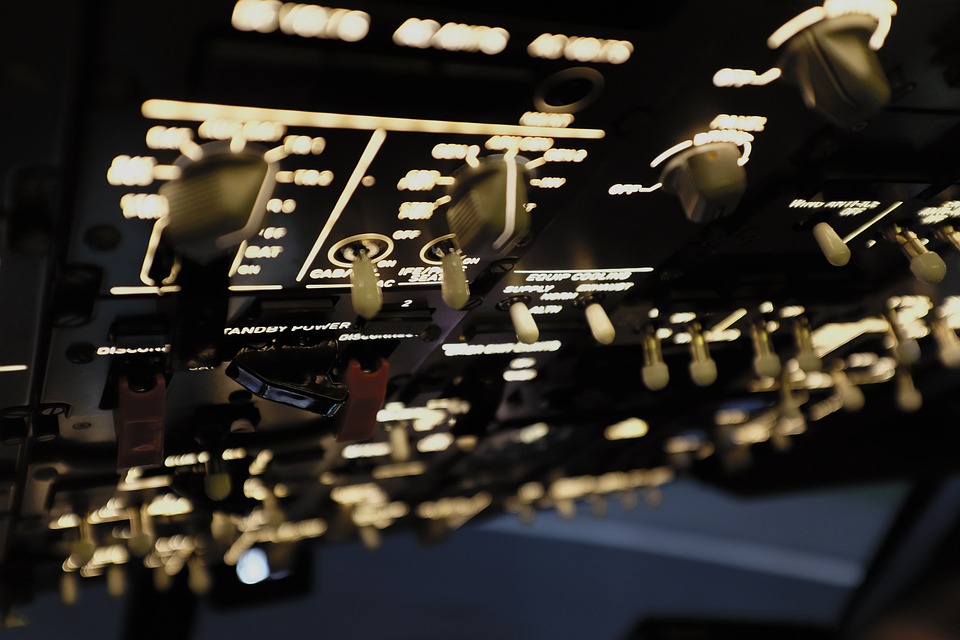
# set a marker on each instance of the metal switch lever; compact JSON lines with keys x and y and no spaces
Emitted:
{"x":765,"y":360}
{"x":926,"y":265}
{"x":655,"y":373}
{"x":703,"y":368}
{"x":296,"y":376}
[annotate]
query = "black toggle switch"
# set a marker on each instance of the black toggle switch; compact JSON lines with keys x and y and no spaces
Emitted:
{"x":837,"y":72}
{"x":295,"y":376}
{"x":708,"y":179}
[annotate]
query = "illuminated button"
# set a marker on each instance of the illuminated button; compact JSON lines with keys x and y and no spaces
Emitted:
{"x":834,"y":249}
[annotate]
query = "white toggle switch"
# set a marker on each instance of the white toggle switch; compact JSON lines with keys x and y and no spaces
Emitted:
{"x":926,"y":265}
{"x":369,"y":537}
{"x":523,"y":323}
{"x":703,"y":368}
{"x":908,"y":352}
{"x":655,"y":373}
{"x":69,"y":588}
{"x":600,"y":325}
{"x":222,"y":529}
{"x":162,"y":581}
{"x":198,"y":576}
{"x":834,"y":249}
{"x":765,"y":360}
{"x":85,"y":547}
{"x":948,"y":342}
{"x":454,"y":288}
{"x":366,"y":296}
{"x":116,"y":581}
{"x":807,"y":358}
{"x":140,"y":542}
{"x":399,"y":443}
{"x":217,"y":484}
{"x":851,"y":397}
{"x":905,"y":350}
{"x":909,"y":399}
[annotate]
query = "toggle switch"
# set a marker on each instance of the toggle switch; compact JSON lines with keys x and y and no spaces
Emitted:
{"x":116,"y":580}
{"x":765,"y":360}
{"x":454,"y":288}
{"x":523,"y":323}
{"x":162,"y":581}
{"x":947,"y":341}
{"x":601,"y":328}
{"x":488,"y":205}
{"x":837,"y":72}
{"x":140,"y":542}
{"x":807,"y":358}
{"x":906,"y":350}
{"x":365,"y":295}
{"x":708,"y":179}
{"x":84,"y":548}
{"x":703,"y":368}
{"x":69,"y":588}
{"x":850,"y":395}
{"x":217,"y":483}
{"x":198,"y":576}
{"x":655,"y":373}
{"x":222,"y":529}
{"x":908,"y":397}
{"x":834,"y":249}
{"x":949,"y":233}
{"x":926,"y":265}
{"x":399,"y":442}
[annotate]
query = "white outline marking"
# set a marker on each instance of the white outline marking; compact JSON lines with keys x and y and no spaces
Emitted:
{"x":853,"y":234}
{"x":10,"y":368}
{"x":157,"y":109}
{"x":369,"y":153}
